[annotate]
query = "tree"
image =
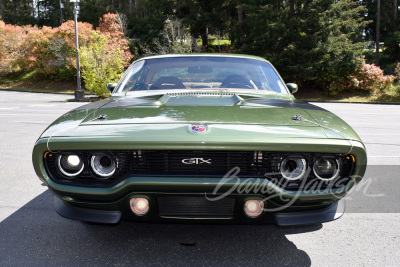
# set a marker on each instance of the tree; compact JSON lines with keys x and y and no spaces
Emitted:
{"x":18,"y":12}
{"x":49,"y":12}
{"x":175,"y":39}
{"x":314,"y":40}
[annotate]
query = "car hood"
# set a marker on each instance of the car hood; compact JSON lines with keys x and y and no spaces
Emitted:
{"x":198,"y":109}
{"x":163,"y":114}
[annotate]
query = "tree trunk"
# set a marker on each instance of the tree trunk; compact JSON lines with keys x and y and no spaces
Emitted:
{"x":38,"y":10}
{"x":378,"y":26}
{"x":204,"y":39}
{"x":2,"y":10}
{"x":240,"y":19}
{"x":136,"y":8}
{"x":395,"y":13}
{"x":292,"y":6}
{"x":61,"y":14}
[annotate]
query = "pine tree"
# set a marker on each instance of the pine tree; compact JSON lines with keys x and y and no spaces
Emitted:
{"x":307,"y":40}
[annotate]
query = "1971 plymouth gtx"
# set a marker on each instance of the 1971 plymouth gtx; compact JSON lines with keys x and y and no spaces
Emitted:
{"x":200,"y":138}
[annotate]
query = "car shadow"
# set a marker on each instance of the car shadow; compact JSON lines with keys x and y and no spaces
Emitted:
{"x":36,"y":236}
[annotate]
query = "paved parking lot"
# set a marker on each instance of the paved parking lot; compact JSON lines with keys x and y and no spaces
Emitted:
{"x":32,"y":234}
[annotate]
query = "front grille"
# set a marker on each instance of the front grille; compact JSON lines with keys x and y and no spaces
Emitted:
{"x":191,"y":206}
{"x":176,"y":163}
{"x":208,"y":163}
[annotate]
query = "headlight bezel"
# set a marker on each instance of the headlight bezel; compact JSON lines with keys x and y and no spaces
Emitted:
{"x":65,"y":172}
{"x":96,"y":159}
{"x":337,"y":172}
{"x":300,"y":162}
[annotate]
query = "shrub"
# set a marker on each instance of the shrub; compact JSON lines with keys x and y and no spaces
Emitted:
{"x":108,"y":24}
{"x":39,"y":53}
{"x":66,"y":32}
{"x":50,"y":52}
{"x":104,"y":58}
{"x":366,"y":77}
{"x":101,"y":63}
{"x":11,"y":38}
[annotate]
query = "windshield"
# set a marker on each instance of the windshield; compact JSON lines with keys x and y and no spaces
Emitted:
{"x":201,"y":72}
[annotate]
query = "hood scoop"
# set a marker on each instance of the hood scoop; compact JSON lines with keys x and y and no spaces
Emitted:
{"x":200,"y":99}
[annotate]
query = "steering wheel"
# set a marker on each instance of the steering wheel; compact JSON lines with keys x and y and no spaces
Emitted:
{"x":167,"y":82}
{"x":236,"y":81}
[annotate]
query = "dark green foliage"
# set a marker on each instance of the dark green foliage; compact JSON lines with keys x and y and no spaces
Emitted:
{"x":143,"y":31}
{"x":19,"y":12}
{"x":387,"y":22}
{"x":313,"y":40}
{"x":92,"y":10}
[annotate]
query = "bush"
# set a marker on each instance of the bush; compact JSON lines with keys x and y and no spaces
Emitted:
{"x":40,"y":52}
{"x":108,"y":25}
{"x":367,"y":77}
{"x":101,"y":63}
{"x":11,"y":38}
{"x":104,"y":58}
{"x":50,"y":52}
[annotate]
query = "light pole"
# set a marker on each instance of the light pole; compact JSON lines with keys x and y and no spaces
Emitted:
{"x":79,"y":94}
{"x":378,"y":28}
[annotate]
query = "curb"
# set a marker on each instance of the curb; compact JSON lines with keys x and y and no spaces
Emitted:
{"x":38,"y":92}
{"x":88,"y":98}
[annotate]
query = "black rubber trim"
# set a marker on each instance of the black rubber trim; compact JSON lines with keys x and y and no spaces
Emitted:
{"x":327,"y":214}
{"x":87,"y":215}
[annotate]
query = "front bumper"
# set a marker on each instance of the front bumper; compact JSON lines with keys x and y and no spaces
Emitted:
{"x":320,"y":215}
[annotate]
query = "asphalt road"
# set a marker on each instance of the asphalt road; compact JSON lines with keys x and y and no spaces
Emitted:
{"x":32,"y":234}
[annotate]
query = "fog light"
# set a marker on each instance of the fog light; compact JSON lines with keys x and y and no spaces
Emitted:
{"x":253,"y":208}
{"x":139,"y":206}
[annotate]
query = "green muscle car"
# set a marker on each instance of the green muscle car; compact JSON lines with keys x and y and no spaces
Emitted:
{"x":200,"y":138}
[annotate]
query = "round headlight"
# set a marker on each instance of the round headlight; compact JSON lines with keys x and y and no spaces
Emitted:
{"x":293,"y":168}
{"x":103,"y":165}
{"x":326,"y":169}
{"x":70,"y":165}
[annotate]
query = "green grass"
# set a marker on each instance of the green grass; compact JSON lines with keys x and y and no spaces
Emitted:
{"x":27,"y":76}
{"x":215,"y":42}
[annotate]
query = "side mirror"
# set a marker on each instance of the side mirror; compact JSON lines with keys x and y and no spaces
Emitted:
{"x":111,"y":87}
{"x":292,"y":87}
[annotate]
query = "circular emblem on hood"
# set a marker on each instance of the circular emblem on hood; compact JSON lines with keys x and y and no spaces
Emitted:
{"x":198,"y":128}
